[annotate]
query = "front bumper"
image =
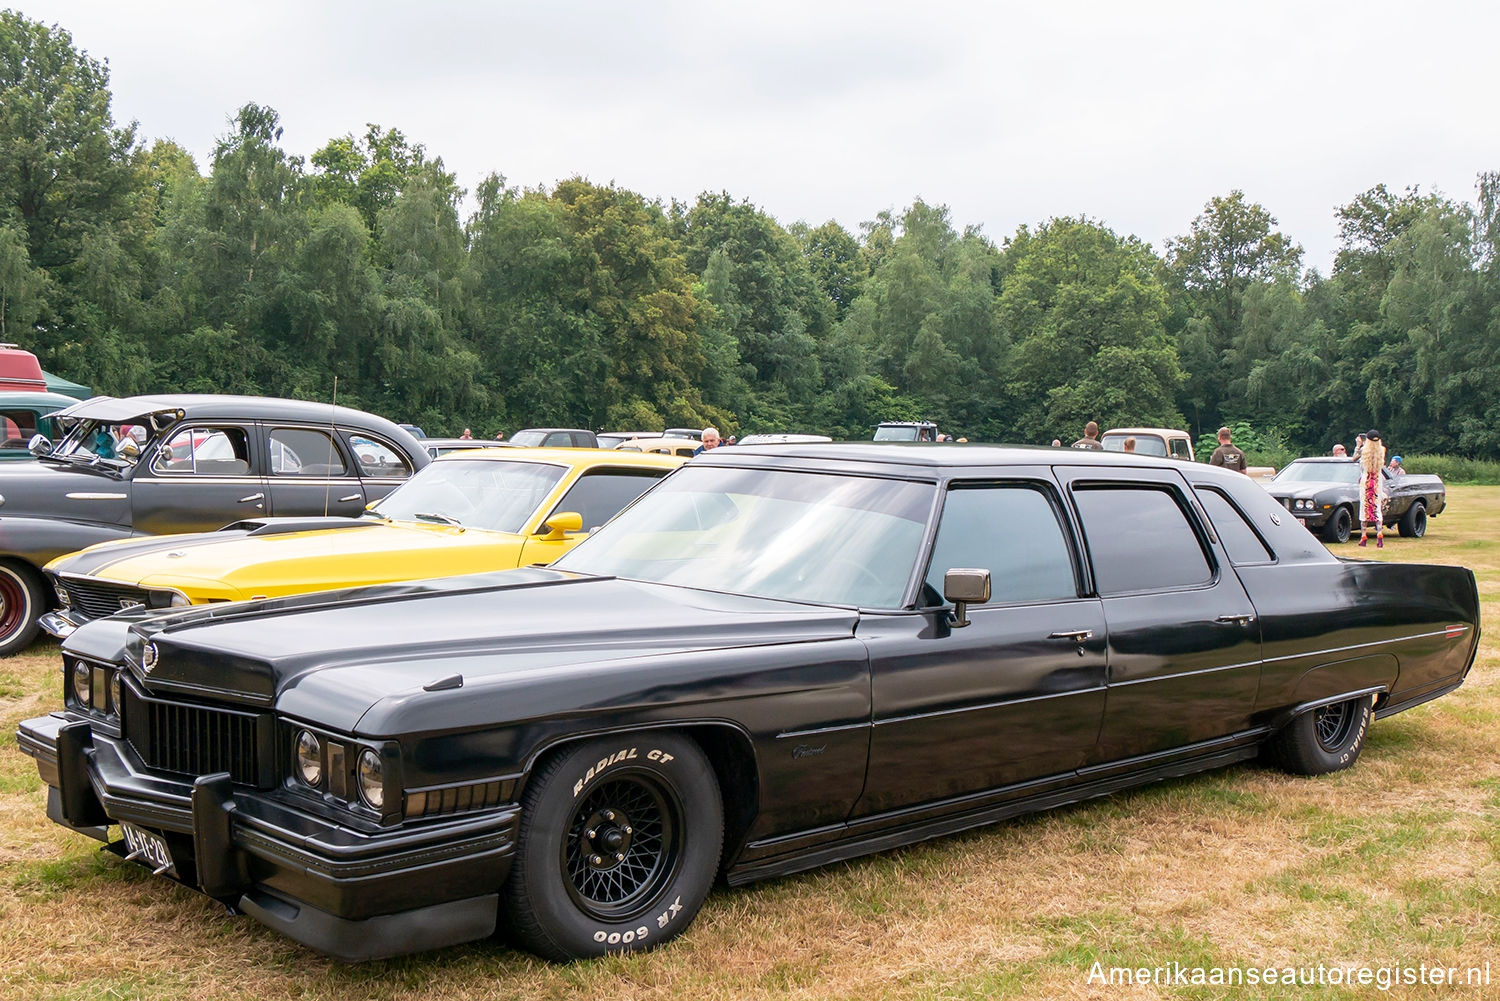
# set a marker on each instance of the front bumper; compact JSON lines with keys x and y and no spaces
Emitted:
{"x":350,"y":893}
{"x":61,"y":624}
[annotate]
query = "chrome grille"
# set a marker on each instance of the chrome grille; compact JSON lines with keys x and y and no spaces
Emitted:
{"x":197,"y":740}
{"x":97,"y":599}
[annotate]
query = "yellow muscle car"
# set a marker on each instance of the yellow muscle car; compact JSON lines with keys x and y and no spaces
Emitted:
{"x":469,"y":512}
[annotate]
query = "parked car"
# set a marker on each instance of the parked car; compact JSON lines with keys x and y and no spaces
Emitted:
{"x":413,"y":430}
{"x":148,"y":465}
{"x":442,"y":446}
{"x":783,"y":439}
{"x":694,"y":433}
{"x":467,"y":513}
{"x":906,"y":431}
{"x":1322,"y":492}
{"x":555,"y":438}
{"x":684,"y":447}
{"x":25,"y":414}
{"x":1150,"y":441}
{"x":614,"y":439}
{"x":779,"y":657}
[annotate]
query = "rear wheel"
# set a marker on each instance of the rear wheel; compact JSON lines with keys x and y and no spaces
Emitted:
{"x":22,"y":601}
{"x":1326,"y":739}
{"x":1339,"y":525}
{"x":618,"y":845}
{"x":1414,"y":521}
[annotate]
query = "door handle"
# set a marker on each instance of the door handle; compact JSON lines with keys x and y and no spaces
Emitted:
{"x":252,"y":497}
{"x":1243,"y":620}
{"x":1076,"y":635}
{"x":350,"y":497}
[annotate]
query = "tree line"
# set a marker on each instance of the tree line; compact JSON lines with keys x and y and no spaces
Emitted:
{"x":125,"y":266}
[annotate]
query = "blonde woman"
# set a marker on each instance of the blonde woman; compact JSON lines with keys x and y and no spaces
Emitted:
{"x":1372,"y":492}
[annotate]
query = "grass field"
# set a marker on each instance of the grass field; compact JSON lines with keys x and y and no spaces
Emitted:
{"x":1396,"y":861}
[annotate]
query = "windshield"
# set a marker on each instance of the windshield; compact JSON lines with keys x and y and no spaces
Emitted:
{"x":841,"y":540}
{"x":1145,"y":444}
{"x":1342,"y":471}
{"x":474,"y":493}
{"x":896,"y":434}
{"x":119,"y":444}
{"x":528,"y":439}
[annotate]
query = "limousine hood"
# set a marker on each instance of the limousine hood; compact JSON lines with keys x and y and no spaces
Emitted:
{"x":329,"y":658}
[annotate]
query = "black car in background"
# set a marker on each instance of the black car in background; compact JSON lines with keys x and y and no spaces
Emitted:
{"x":150,"y":465}
{"x":779,"y":657}
{"x":1322,"y":492}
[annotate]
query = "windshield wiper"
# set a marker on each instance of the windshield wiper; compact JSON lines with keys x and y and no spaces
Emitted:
{"x":442,"y":519}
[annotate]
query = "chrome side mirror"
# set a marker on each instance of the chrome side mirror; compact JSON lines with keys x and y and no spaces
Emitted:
{"x":962,"y":585}
{"x":39,"y":445}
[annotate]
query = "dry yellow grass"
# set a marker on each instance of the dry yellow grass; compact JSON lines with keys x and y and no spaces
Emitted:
{"x":1394,"y":861}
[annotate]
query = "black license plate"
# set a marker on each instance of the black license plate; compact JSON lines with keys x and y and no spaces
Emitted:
{"x":149,"y":849}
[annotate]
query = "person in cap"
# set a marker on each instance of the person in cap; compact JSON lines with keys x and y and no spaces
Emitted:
{"x":1338,"y":450}
{"x":1395,"y":467}
{"x":1372,"y":493}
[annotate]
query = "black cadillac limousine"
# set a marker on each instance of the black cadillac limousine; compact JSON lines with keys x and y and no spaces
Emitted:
{"x":778,"y":657}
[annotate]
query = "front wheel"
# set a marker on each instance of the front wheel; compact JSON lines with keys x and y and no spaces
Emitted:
{"x":1326,"y":739}
{"x":1414,"y":521}
{"x":618,"y":846}
{"x":1340,"y":524}
{"x":22,"y":601}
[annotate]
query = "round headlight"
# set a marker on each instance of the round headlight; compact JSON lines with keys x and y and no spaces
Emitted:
{"x":116,"y":692}
{"x":309,"y":758}
{"x":179,"y":600}
{"x":371,"y":780}
{"x":80,"y":680}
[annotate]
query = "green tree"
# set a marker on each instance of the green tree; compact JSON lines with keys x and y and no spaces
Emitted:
{"x":1232,"y":246}
{"x":1085,"y":311}
{"x":70,"y":191}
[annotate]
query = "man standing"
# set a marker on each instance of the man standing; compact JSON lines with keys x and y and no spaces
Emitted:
{"x":1227,"y":455}
{"x":1090,"y":437}
{"x":710,"y":441}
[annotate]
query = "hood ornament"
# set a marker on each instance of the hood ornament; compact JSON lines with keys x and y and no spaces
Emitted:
{"x":149,"y":657}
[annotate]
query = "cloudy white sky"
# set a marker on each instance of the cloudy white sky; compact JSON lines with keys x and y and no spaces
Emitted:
{"x":1131,"y":113}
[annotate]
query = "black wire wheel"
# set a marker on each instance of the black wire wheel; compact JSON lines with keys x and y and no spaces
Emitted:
{"x":623,"y":844}
{"x":1326,"y":739}
{"x":1332,"y":725}
{"x":617,"y":846}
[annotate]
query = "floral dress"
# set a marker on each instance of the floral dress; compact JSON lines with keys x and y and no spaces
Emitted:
{"x":1372,"y":497}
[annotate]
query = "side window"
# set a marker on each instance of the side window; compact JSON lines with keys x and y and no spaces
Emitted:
{"x":1140,"y":539}
{"x":1239,"y":538}
{"x":599,"y":496}
{"x":1181,"y":450}
{"x":305,"y":452}
{"x":204,"y":451}
{"x":1013,"y":532}
{"x":558,"y":439}
{"x":376,"y":458}
{"x":19,"y":426}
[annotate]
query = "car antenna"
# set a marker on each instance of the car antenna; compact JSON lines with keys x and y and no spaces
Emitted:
{"x":333,"y":436}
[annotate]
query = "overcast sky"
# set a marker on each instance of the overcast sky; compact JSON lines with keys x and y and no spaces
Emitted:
{"x":1134,"y":114}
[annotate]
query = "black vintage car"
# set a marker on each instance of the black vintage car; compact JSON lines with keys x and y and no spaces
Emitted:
{"x":1322,"y":492}
{"x":777,"y":658}
{"x":148,"y":465}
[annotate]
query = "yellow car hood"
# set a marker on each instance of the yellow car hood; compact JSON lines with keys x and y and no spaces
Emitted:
{"x":247,"y":566}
